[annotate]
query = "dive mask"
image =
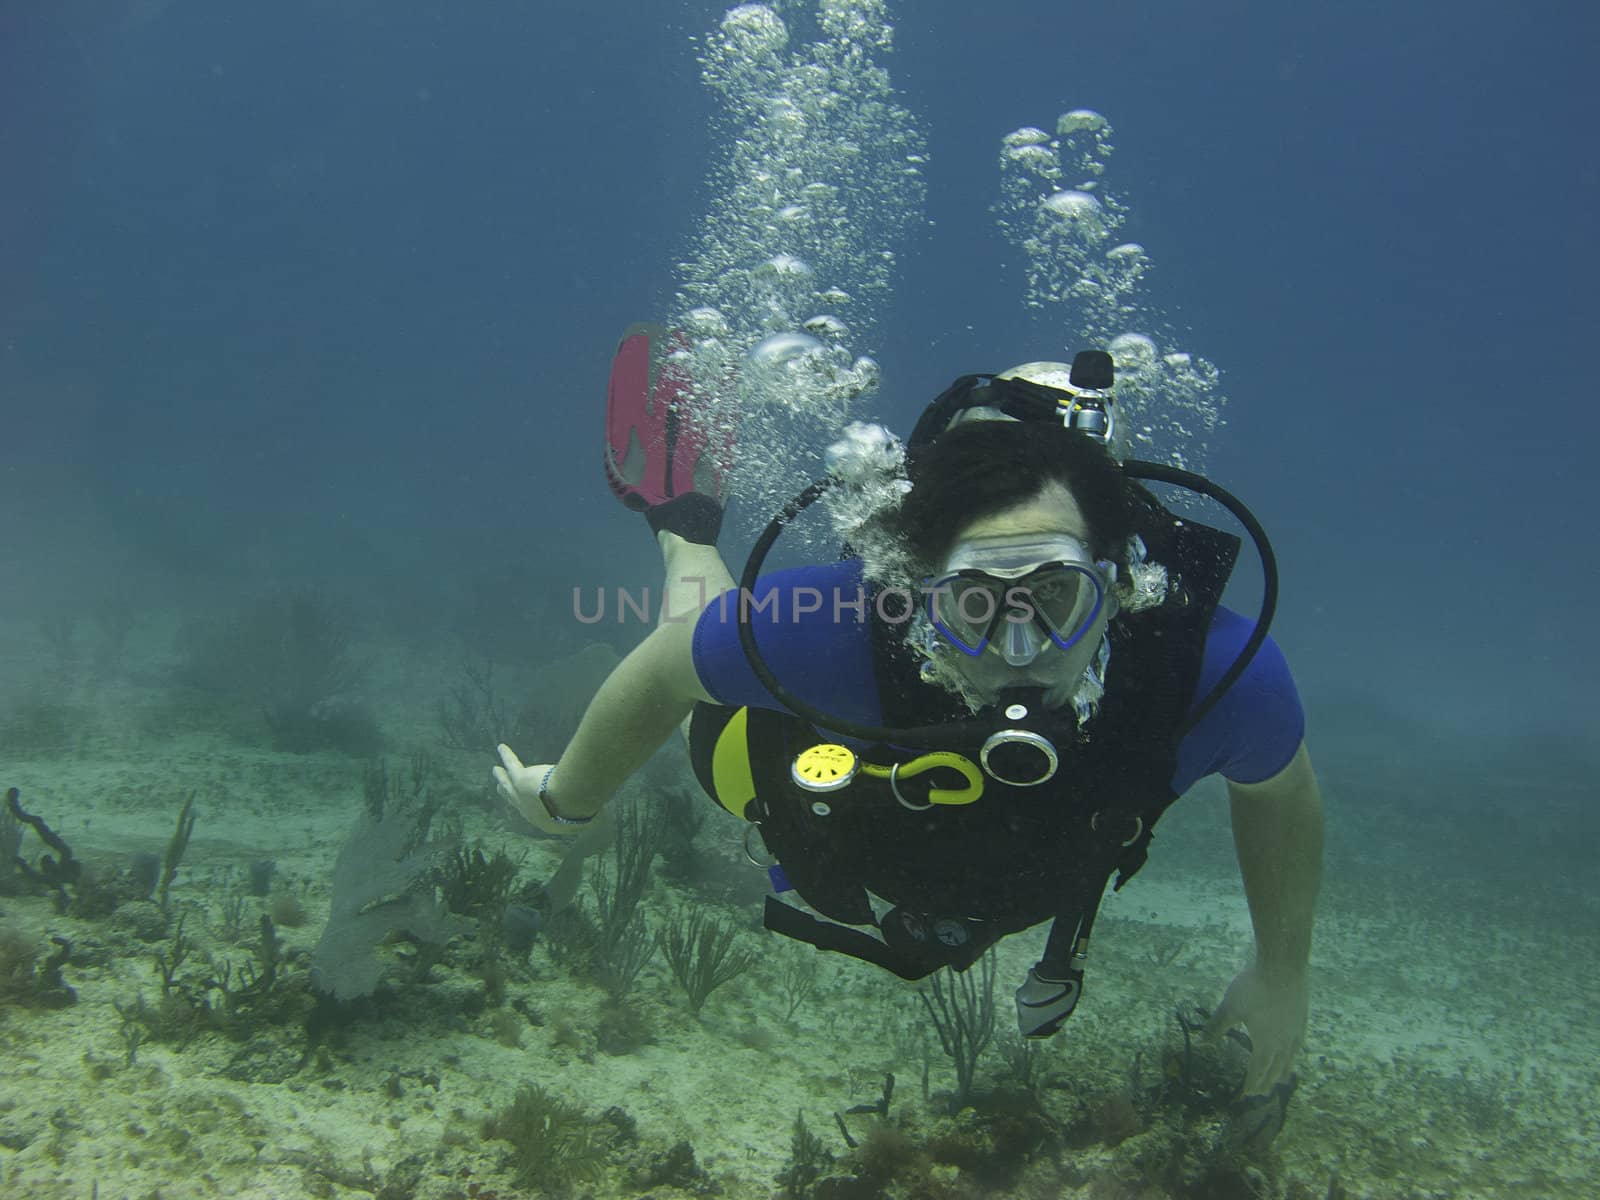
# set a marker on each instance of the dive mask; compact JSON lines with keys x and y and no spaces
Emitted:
{"x":1016,"y":595}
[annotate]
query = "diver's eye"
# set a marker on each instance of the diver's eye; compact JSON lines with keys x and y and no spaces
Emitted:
{"x":1057,"y":595}
{"x":1049,"y":591}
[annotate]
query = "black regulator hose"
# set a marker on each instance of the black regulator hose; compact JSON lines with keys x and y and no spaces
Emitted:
{"x":1161,"y":473}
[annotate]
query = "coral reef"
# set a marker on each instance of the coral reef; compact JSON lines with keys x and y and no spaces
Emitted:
{"x":553,"y":1144}
{"x":383,"y":884}
{"x":703,"y":956}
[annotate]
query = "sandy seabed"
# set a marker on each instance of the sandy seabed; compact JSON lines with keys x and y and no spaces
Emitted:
{"x":1452,"y":1050}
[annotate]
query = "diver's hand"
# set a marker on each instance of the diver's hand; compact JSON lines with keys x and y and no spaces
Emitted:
{"x":1271,"y":1005}
{"x":519,"y":785}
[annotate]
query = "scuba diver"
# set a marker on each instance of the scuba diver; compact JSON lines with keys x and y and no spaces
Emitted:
{"x":978,"y":737}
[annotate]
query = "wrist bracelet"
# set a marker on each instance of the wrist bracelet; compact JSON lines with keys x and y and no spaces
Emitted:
{"x":544,"y":799}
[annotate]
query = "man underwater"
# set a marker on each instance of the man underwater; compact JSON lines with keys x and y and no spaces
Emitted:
{"x":936,"y":766}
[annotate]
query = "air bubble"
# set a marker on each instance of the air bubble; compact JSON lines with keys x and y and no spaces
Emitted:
{"x":1076,"y":205}
{"x":706,"y":321}
{"x":784,"y":266}
{"x":755,"y":28}
{"x":782,"y":349}
{"x":1132,"y":352}
{"x":1025,"y":137}
{"x":824,"y":325}
{"x":1081,"y":120}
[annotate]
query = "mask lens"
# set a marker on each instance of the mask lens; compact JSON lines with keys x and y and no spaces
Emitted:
{"x":1066,"y":598}
{"x":965,"y":610}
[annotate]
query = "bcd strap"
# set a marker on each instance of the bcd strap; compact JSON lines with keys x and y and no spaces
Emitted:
{"x":909,"y":956}
{"x":841,"y":939}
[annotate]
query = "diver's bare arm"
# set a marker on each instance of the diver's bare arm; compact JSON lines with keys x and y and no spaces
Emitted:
{"x":638,"y":707}
{"x":1277,"y":832}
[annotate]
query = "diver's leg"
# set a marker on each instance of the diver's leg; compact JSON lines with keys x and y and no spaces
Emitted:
{"x":695,"y":576}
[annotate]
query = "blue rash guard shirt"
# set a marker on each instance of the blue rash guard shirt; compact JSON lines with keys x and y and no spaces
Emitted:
{"x":816,"y":639}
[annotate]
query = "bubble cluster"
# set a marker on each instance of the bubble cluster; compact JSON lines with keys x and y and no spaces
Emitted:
{"x":817,"y":180}
{"x":1168,"y":404}
{"x":1055,"y":210}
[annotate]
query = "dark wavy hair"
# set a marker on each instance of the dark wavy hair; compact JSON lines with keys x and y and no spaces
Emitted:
{"x":980,"y":468}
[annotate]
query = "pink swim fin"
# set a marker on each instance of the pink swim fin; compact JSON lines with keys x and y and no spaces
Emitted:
{"x":656,"y":450}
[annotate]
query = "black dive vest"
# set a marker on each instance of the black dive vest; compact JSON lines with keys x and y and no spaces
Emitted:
{"x":962,"y":876}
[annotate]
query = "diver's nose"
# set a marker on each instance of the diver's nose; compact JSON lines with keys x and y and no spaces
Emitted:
{"x":1020,"y":642}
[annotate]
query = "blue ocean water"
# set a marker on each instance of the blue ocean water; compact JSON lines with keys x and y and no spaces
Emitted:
{"x":335,"y":286}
